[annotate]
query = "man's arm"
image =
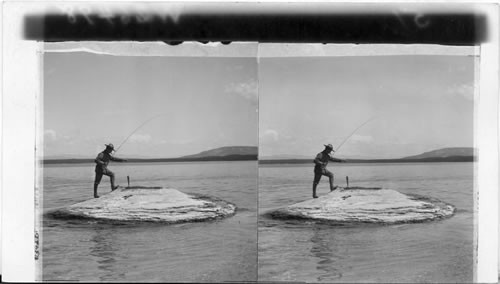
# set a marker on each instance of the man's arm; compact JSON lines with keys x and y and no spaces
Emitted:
{"x":318,"y":161}
{"x":337,"y":160}
{"x":115,"y":159}
{"x":98,"y":160}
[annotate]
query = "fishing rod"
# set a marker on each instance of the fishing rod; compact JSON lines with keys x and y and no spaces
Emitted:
{"x":352,"y":133}
{"x":135,"y":130}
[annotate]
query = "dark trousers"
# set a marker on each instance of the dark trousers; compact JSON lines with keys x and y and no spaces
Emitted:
{"x":99,"y":172}
{"x":319,"y":172}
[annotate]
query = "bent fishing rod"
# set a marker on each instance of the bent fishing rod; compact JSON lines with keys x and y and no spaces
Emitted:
{"x":352,"y":133}
{"x":135,"y":130}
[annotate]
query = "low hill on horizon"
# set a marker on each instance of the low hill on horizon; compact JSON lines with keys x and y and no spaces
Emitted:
{"x":236,"y":153}
{"x":445,"y":152}
{"x":229,"y":153}
{"x":438,"y":153}
{"x":225,"y":151}
{"x":451,"y":154}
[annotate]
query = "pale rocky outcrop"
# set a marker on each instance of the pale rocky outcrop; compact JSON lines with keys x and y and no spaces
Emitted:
{"x":149,"y":204}
{"x":366,"y":205}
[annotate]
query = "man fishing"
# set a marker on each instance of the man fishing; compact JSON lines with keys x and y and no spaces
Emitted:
{"x":101,"y":167}
{"x":321,"y":162}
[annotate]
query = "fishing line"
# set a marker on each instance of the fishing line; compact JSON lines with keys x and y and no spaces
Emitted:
{"x":135,"y":130}
{"x":352,"y":133}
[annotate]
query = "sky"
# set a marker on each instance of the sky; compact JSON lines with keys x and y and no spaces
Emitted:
{"x":194,"y":103}
{"x":414,"y":104}
{"x":288,"y":106}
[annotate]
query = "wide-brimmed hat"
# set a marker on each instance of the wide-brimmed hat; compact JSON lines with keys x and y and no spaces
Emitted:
{"x":329,"y":146}
{"x":110,"y":145}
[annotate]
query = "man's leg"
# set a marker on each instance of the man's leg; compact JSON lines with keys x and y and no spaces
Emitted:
{"x":98,"y":177}
{"x":314,"y":190}
{"x":112,"y":179}
{"x":330,"y":178}
{"x":317,"y":178}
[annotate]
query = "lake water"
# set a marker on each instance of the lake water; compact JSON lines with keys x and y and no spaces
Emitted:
{"x":230,"y":250}
{"x":224,"y":250}
{"x":440,"y":251}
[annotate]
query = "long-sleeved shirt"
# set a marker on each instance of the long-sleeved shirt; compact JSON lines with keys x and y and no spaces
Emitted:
{"x":323,"y":158}
{"x":103,"y":158}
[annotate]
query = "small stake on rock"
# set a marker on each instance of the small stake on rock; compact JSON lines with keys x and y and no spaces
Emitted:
{"x":128,"y":181}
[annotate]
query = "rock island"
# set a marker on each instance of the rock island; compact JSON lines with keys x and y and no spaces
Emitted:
{"x":366,"y":205}
{"x":149,"y":204}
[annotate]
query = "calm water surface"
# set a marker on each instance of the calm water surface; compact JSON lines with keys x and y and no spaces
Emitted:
{"x":224,"y":250}
{"x":440,"y":251}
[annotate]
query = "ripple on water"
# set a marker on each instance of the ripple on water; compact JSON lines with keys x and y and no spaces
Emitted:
{"x":442,"y":251}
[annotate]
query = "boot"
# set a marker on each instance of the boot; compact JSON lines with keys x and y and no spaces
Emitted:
{"x":332,"y":188}
{"x":314,"y":191}
{"x":113,"y":187}
{"x":95,"y":191}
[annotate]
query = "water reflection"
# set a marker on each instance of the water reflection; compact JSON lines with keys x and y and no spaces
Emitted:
{"x":104,"y":250}
{"x":327,"y":251}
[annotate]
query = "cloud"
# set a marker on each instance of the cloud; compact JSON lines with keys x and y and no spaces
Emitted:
{"x":465,"y":90}
{"x":140,"y":138}
{"x":50,"y":135}
{"x":177,"y":141}
{"x":247,"y":90}
{"x":361,"y":138}
{"x":269,"y":135}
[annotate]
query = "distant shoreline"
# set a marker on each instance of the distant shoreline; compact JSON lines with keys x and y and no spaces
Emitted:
{"x":159,"y":160}
{"x":450,"y":159}
{"x":266,"y":162}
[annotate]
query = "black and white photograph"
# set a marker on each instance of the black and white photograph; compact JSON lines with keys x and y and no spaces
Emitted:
{"x":249,"y":142}
{"x":366,"y":168}
{"x":149,"y":168}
